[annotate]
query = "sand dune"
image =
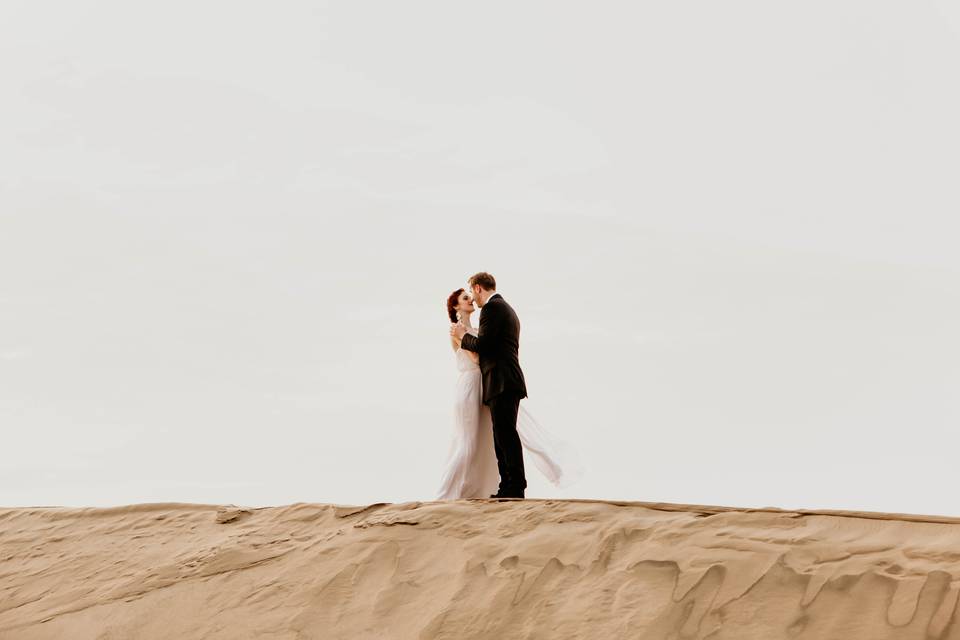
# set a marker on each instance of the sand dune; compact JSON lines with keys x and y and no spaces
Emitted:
{"x":475,"y":569}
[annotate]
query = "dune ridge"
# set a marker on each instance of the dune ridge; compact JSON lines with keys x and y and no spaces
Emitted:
{"x":476,"y":569}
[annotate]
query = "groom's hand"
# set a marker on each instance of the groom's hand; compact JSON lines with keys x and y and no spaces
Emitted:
{"x":457,"y":330}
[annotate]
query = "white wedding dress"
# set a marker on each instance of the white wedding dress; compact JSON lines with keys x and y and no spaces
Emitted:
{"x":471,"y":470}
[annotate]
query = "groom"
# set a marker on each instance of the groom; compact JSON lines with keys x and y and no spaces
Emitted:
{"x":498,"y":344}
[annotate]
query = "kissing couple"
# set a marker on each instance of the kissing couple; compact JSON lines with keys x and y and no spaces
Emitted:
{"x":491,"y":431}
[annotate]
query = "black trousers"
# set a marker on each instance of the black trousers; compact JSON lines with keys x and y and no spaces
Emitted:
{"x":506,"y":442}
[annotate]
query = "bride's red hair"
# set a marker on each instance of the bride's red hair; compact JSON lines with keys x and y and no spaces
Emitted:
{"x":452,"y":303}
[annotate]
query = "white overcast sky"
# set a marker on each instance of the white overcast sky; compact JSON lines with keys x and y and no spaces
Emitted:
{"x":730,"y":229}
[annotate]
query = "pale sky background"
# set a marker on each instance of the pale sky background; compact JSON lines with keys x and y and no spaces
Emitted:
{"x":730,"y":229}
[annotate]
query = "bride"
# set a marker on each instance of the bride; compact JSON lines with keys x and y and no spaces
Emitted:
{"x":471,"y":470}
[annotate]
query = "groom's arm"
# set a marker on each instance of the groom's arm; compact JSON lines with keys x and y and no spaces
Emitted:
{"x":491,"y":325}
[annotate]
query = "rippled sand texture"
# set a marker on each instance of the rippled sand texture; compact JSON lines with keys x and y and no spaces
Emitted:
{"x":475,"y":569}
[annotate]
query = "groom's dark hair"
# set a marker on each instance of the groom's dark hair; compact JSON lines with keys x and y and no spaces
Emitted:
{"x":483,"y":279}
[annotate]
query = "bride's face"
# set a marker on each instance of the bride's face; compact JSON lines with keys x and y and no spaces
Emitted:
{"x":466,"y":303}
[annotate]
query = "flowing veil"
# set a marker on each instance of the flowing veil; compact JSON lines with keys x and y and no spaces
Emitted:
{"x":555,"y":458}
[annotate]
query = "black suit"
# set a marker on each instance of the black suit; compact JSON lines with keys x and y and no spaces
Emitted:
{"x":498,"y":345}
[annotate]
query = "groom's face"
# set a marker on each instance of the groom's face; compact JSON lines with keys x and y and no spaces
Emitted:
{"x":478,"y":295}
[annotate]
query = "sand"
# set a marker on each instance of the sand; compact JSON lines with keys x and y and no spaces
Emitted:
{"x":475,"y":569}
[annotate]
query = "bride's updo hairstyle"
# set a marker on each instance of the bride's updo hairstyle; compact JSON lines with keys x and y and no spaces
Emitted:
{"x":452,"y":302}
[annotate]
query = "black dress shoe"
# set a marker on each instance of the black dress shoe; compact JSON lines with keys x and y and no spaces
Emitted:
{"x":507,"y":495}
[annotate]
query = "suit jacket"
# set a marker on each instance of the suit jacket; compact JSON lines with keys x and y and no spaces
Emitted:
{"x":498,"y":345}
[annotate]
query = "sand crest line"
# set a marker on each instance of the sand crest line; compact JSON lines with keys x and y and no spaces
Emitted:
{"x":656,"y":506}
